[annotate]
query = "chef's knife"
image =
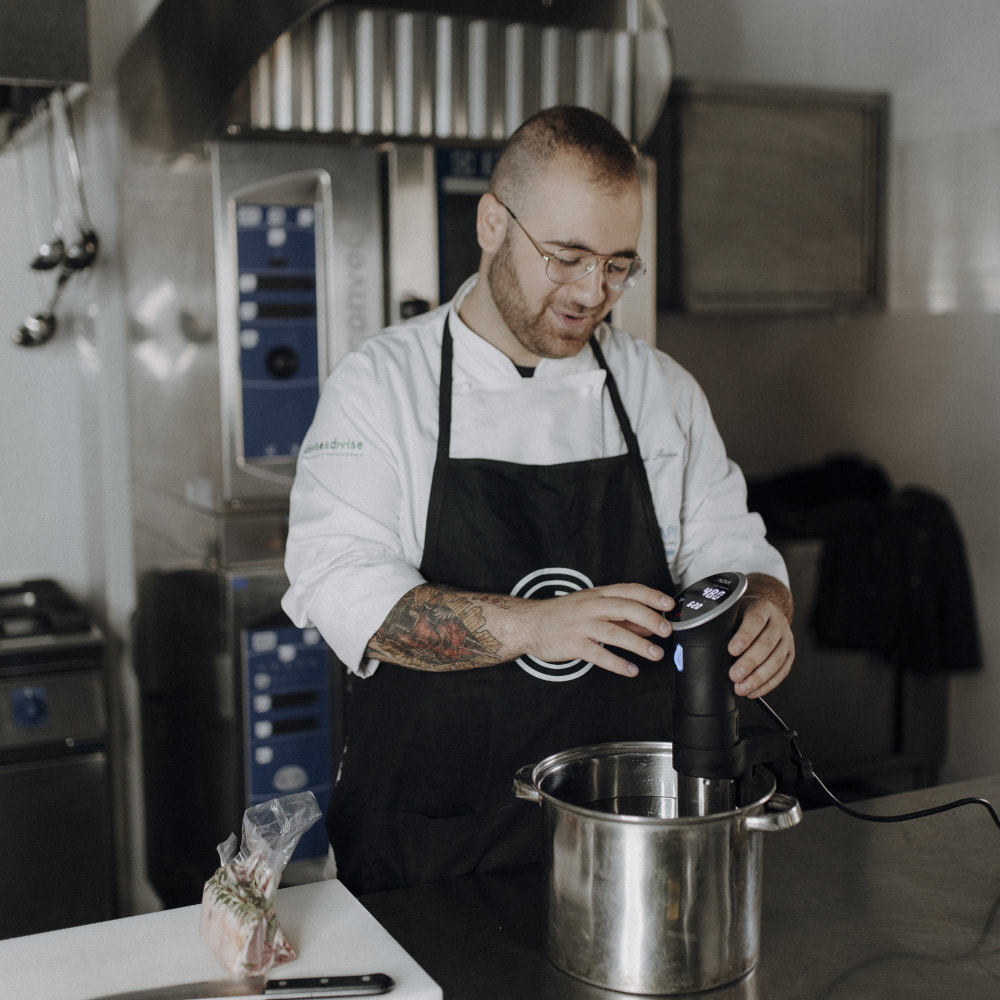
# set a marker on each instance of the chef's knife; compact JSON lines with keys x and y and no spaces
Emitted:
{"x":255,"y":987}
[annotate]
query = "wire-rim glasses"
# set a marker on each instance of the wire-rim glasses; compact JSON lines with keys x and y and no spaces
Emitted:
{"x":567,"y":264}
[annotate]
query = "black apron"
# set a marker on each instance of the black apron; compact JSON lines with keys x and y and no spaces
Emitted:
{"x":425,"y":786}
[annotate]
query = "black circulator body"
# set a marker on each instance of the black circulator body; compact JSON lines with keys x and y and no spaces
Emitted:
{"x":705,"y":716}
{"x":713,"y":759}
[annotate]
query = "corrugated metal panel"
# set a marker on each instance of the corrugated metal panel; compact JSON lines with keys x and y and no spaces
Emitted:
{"x":406,"y":74}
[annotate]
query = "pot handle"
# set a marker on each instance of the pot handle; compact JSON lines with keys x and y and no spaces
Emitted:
{"x":524,"y":787}
{"x":781,"y":812}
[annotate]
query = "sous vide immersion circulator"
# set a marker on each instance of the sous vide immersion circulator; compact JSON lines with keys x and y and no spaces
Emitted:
{"x":706,"y":734}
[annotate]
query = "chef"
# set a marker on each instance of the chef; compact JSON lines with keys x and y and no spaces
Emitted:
{"x":491,"y":510}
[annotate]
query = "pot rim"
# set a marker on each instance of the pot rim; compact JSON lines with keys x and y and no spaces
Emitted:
{"x":538,"y":772}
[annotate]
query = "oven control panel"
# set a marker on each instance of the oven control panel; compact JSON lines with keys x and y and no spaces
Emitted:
{"x":61,"y":710}
{"x":288,"y":721}
{"x":278,"y":327}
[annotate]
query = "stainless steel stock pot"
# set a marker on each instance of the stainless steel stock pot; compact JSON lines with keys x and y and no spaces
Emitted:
{"x":638,"y":899}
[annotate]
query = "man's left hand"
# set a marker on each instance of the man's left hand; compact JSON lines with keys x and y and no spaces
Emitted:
{"x":763,"y":645}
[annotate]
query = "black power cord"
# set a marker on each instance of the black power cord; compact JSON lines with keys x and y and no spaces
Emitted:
{"x":806,"y":769}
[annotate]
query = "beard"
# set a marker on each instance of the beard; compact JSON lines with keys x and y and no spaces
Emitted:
{"x":537,"y":332}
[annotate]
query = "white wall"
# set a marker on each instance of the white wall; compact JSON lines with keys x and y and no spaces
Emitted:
{"x":915,"y":388}
{"x":51,"y":444}
{"x":41,"y":451}
{"x":64,"y":484}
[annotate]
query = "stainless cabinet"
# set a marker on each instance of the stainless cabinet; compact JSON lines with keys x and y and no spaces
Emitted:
{"x":772,"y":200}
{"x":56,"y":845}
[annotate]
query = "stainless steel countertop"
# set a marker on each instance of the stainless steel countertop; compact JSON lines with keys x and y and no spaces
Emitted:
{"x":852,"y":910}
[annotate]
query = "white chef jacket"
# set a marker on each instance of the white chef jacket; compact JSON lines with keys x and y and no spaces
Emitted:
{"x":359,"y":501}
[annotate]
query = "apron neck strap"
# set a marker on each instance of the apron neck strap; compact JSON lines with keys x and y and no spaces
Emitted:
{"x":444,"y":396}
{"x":631,"y":442}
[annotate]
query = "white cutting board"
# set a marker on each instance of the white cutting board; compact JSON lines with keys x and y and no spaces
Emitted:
{"x":332,"y":933}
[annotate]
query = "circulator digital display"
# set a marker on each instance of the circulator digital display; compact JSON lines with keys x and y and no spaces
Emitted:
{"x":703,"y":599}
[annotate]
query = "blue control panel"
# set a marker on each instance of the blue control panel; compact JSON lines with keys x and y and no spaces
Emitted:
{"x":289,"y":727}
{"x":278,"y":326}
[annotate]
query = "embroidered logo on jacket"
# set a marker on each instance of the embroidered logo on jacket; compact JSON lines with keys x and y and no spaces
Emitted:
{"x":552,"y":582}
{"x":334,"y":446}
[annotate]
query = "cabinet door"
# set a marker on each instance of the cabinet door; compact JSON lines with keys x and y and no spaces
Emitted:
{"x":772,"y":199}
{"x":56,"y":844}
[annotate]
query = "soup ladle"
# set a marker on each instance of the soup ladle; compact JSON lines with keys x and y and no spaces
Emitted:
{"x":50,"y":254}
{"x":41,"y":328}
{"x":82,"y":253}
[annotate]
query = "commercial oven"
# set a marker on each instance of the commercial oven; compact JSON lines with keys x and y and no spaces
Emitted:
{"x":253,"y":267}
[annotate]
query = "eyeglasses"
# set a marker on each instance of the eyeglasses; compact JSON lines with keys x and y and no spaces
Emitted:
{"x":566,"y":264}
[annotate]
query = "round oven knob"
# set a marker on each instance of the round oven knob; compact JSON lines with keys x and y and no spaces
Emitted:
{"x":282,"y":362}
{"x":29,"y":706}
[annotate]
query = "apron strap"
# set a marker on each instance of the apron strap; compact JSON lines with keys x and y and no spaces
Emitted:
{"x":440,"y":475}
{"x":631,"y":442}
{"x":638,"y":468}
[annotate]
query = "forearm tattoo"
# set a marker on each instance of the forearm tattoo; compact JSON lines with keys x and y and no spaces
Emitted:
{"x":434,"y":628}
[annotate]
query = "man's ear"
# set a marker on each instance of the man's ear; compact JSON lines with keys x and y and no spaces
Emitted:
{"x":491,"y":223}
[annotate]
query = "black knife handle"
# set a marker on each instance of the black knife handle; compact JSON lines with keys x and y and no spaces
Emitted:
{"x":369,"y":984}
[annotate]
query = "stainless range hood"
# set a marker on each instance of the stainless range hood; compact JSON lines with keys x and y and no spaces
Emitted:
{"x":180,"y":72}
{"x":42,"y":45}
{"x":204,"y":68}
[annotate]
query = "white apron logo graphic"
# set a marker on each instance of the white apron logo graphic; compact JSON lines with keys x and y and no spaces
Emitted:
{"x":544,"y":583}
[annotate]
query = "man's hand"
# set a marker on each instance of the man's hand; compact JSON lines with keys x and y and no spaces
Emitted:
{"x":763,"y":642}
{"x":583,"y":624}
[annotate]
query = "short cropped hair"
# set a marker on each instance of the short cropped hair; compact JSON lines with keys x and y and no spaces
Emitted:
{"x":563,"y":129}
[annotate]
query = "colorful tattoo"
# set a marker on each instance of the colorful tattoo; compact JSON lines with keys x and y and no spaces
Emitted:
{"x":433,"y":628}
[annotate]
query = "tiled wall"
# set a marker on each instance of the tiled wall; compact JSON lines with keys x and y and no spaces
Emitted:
{"x":946,"y":222}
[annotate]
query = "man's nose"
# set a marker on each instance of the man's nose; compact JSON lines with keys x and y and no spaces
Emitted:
{"x":592,"y":288}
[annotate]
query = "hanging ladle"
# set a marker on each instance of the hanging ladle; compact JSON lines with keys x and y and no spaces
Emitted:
{"x":50,"y":253}
{"x":83,"y":252}
{"x":41,"y":328}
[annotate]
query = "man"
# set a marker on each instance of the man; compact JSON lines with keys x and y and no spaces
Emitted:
{"x":507,"y":447}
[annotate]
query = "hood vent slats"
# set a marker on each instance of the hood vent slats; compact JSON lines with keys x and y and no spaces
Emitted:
{"x":401,"y":74}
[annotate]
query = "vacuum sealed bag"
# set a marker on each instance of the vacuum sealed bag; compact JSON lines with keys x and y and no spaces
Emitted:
{"x":238,"y":920}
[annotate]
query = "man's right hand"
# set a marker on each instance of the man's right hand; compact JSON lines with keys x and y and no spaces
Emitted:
{"x":584,"y":624}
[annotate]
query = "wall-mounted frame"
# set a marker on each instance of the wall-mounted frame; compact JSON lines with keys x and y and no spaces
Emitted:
{"x":772,"y":199}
